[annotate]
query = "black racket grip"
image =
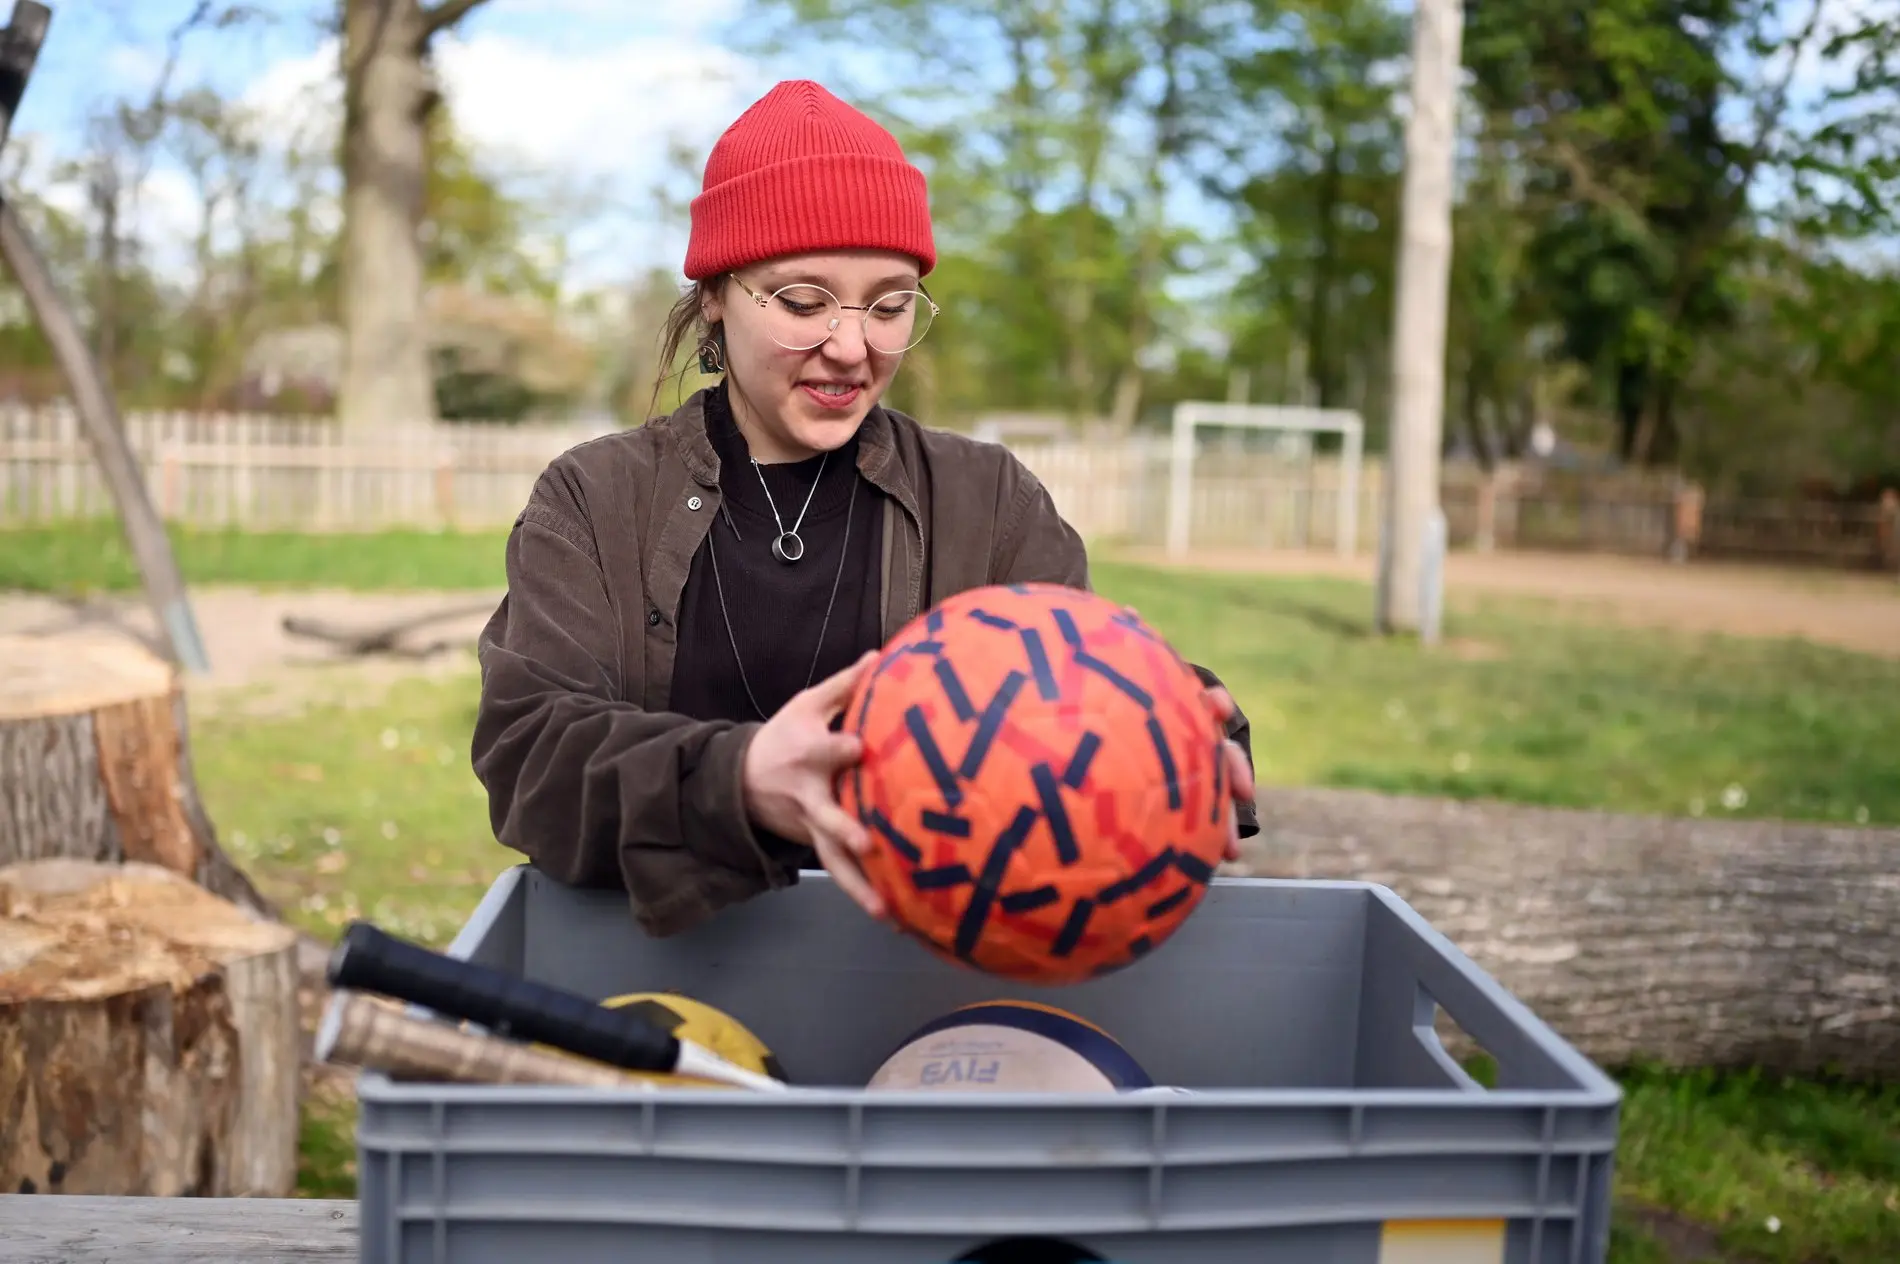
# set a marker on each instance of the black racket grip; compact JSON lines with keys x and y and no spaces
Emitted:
{"x":368,"y":959}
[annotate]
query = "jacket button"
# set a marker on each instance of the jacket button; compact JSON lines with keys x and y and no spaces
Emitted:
{"x":653,"y":618}
{"x":693,"y":502}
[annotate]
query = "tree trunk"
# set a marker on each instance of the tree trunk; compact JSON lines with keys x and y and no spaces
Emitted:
{"x":387,"y":377}
{"x":1691,"y":942}
{"x":149,"y":1037}
{"x":94,"y":765}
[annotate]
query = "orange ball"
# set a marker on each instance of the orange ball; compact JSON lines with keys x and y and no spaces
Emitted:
{"x":1043,"y":784}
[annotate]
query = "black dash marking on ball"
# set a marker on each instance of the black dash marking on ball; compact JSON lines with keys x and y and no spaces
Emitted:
{"x":1168,"y":903}
{"x":1139,"y":946}
{"x":1135,"y":692}
{"x":933,"y":622}
{"x":933,"y":758}
{"x":925,"y":649}
{"x":876,"y":819}
{"x":942,"y":878}
{"x":987,"y":726}
{"x":977,"y":912}
{"x":944,"y":823}
{"x":1147,"y":875}
{"x":1065,"y":624}
{"x":996,"y":621}
{"x":1021,"y":590}
{"x":954,"y":691}
{"x":1168,"y":773}
{"x":1078,"y":770}
{"x":1039,"y":668}
{"x":1072,"y":928}
{"x":1194,"y":868}
{"x":1054,"y":812}
{"x":1134,"y":624}
{"x":1029,"y":901}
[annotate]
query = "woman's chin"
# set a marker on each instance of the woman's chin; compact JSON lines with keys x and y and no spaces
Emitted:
{"x":826,"y":429}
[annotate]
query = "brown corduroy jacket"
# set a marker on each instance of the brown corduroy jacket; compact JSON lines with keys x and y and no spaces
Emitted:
{"x":587,"y":772}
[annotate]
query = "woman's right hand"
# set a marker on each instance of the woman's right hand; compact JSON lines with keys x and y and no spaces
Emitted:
{"x":791,"y":769}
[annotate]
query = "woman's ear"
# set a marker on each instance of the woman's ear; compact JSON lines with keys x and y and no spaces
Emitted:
{"x":712,"y":300}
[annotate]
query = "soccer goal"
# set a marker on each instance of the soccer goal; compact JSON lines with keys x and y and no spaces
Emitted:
{"x":1298,"y":425}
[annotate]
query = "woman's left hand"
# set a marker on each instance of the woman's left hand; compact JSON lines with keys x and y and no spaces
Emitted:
{"x":1239,"y":771}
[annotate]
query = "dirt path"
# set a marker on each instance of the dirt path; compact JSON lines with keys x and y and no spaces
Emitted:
{"x":1855,"y":612}
{"x":258,"y":666}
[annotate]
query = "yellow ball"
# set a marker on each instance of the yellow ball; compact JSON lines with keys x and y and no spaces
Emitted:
{"x":706,"y":1027}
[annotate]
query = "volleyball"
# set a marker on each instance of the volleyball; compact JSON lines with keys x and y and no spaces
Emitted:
{"x":1010,"y":1046}
{"x":1044,"y":786}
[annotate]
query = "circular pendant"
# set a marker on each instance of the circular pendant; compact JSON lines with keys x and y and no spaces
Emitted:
{"x":788,"y":547}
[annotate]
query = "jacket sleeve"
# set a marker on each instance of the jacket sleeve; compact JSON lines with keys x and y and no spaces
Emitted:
{"x":1037,"y":545}
{"x":593,"y":789}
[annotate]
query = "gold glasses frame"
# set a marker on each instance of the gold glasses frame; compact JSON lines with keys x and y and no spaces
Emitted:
{"x":864,"y":319}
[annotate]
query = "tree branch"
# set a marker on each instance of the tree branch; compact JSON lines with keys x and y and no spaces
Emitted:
{"x":445,"y":13}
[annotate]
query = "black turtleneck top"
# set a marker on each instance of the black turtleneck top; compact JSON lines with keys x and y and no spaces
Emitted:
{"x":776,"y":610}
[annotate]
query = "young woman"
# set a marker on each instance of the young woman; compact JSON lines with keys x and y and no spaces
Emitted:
{"x":690,"y":602}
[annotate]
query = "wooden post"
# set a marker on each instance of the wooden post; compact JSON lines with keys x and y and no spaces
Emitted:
{"x":1686,"y":522}
{"x":1484,"y":538}
{"x":1887,"y":531}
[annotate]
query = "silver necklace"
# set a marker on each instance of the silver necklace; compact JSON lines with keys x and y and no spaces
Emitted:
{"x":790,"y":546}
{"x":844,"y":548}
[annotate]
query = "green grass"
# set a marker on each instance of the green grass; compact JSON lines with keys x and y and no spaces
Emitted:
{"x":1527,"y":708}
{"x":93,"y":557}
{"x":371,"y":810}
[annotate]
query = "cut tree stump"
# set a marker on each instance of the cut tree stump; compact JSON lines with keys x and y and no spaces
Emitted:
{"x":94,"y":762}
{"x":149,"y":1037}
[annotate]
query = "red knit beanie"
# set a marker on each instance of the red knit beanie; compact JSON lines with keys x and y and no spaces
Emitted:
{"x":802,"y":171}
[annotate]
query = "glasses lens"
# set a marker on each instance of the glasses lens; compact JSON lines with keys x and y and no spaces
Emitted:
{"x":897,"y":322}
{"x":799,"y":317}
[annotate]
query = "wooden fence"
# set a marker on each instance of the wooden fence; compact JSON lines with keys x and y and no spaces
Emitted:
{"x":263,"y":472}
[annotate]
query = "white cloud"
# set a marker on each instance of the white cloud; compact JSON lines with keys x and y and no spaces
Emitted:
{"x":609,"y":112}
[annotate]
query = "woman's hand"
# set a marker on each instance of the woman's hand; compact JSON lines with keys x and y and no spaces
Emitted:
{"x":1239,"y":771}
{"x":790,"y":772}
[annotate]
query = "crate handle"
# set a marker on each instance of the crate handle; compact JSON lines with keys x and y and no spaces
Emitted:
{"x":1425,"y":1010}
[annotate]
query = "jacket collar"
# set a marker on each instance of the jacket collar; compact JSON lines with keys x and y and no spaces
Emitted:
{"x":877,"y":450}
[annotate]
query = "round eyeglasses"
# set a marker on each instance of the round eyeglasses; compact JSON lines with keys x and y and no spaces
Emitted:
{"x":802,"y":316}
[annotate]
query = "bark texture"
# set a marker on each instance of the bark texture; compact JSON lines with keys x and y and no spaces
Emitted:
{"x":1688,"y":942}
{"x":94,"y":765}
{"x":149,"y":1039}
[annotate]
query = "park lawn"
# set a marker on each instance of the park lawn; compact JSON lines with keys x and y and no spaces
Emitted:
{"x":371,"y":811}
{"x":92,"y":556}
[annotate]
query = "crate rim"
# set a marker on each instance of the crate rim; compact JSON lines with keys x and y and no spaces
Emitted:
{"x":1593,"y":1088}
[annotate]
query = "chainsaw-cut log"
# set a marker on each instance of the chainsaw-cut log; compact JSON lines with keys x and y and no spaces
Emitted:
{"x":1692,"y":942}
{"x":149,"y":1036}
{"x":94,"y":764}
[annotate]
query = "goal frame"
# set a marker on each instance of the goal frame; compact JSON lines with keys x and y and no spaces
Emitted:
{"x":1192,"y":416}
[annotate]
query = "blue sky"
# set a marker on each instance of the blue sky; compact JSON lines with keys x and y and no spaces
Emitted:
{"x":589,"y":91}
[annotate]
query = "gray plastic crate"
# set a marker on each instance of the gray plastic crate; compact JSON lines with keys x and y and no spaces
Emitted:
{"x":1324,"y":1113}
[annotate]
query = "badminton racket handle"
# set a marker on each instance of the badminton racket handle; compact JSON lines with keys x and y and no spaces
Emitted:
{"x":368,"y":959}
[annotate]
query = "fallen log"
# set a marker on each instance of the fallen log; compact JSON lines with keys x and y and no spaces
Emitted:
{"x":95,"y":765}
{"x":149,"y":1036}
{"x":1684,"y":941}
